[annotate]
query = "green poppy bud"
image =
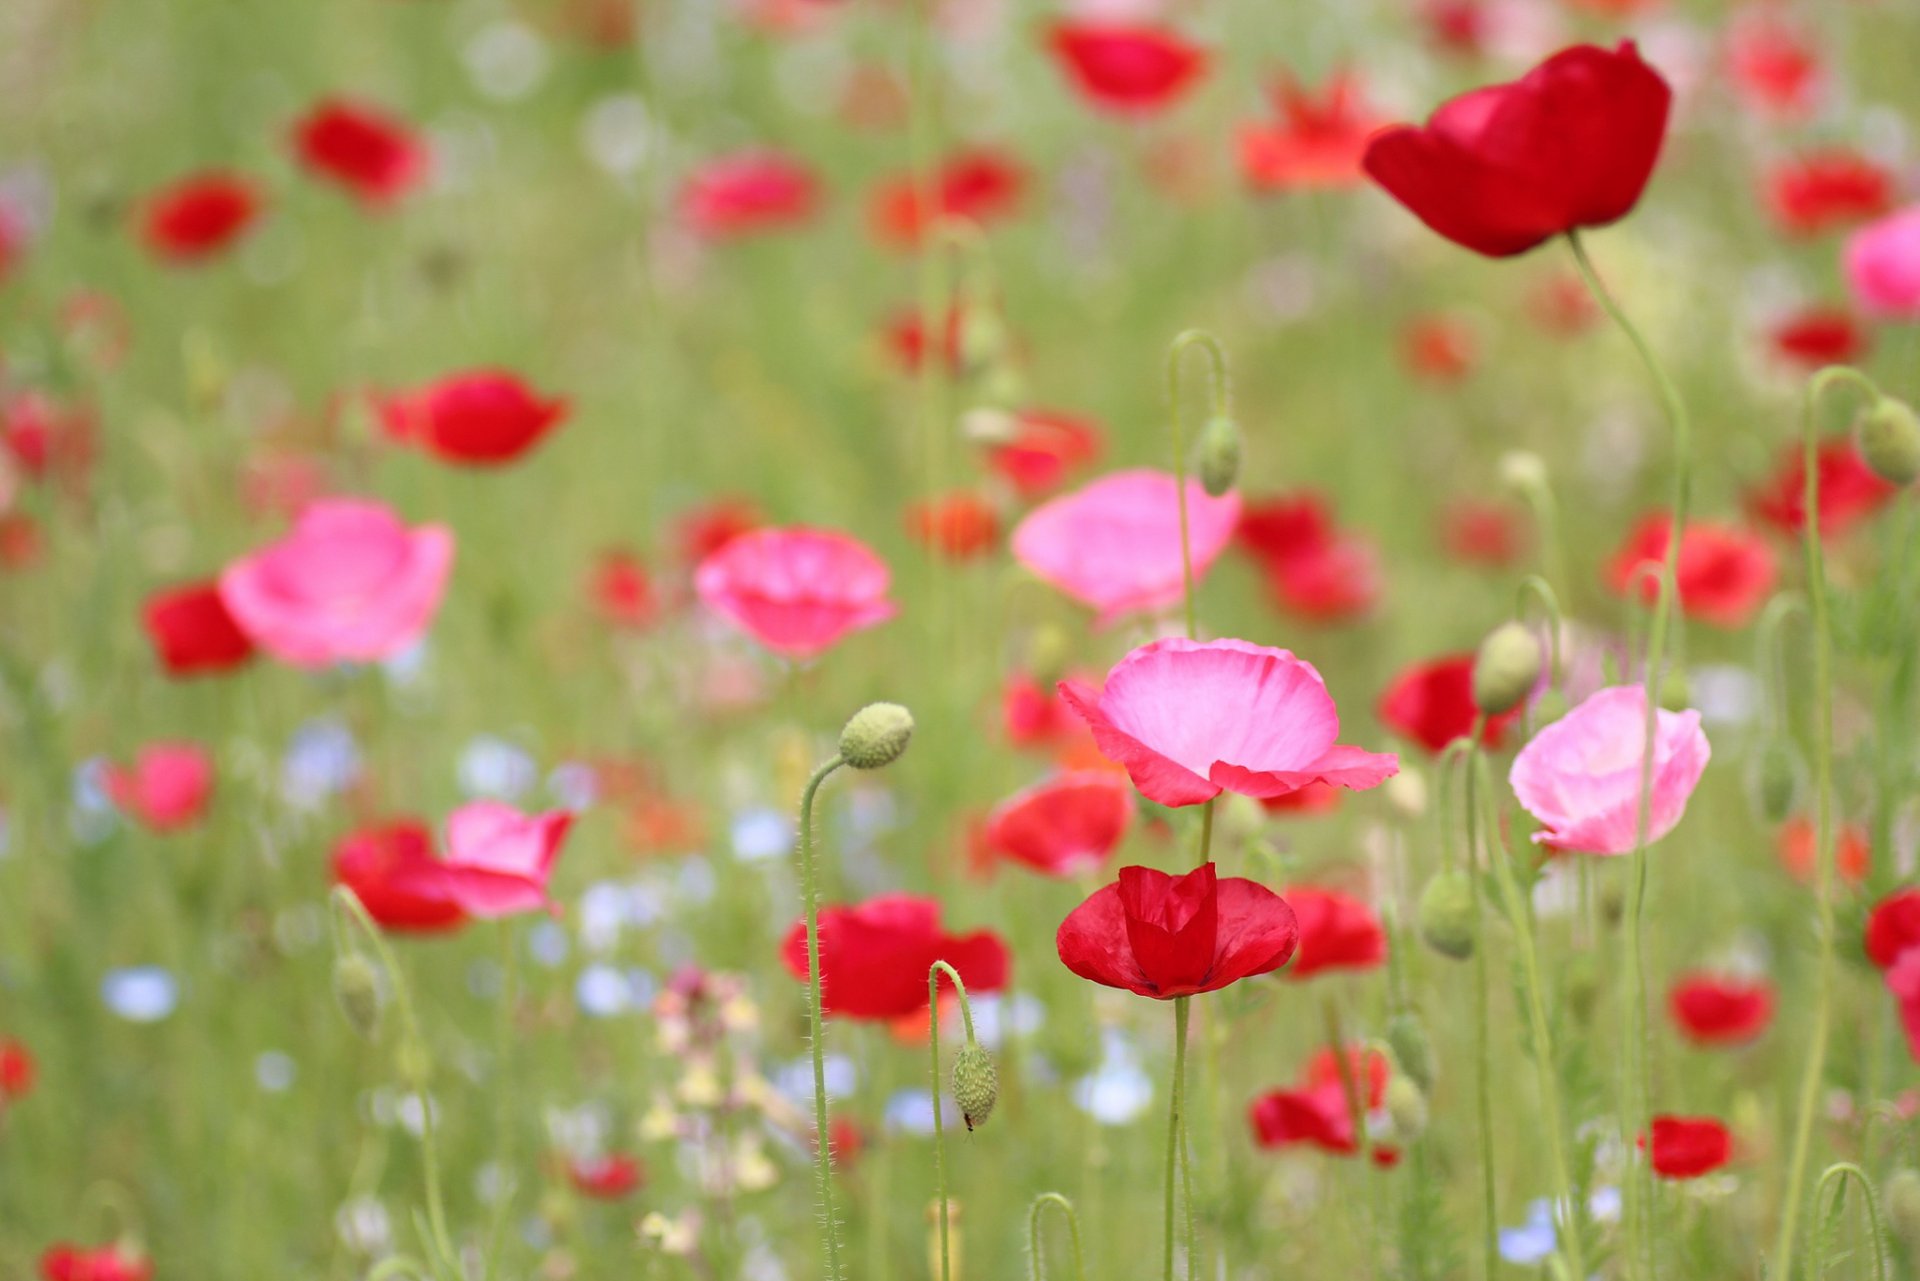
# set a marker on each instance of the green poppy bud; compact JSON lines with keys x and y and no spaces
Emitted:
{"x":1407,"y":1105}
{"x":1217,"y":456}
{"x":1446,"y":914}
{"x":1902,"y":1193}
{"x":1506,"y":669}
{"x":876,"y":736}
{"x":1889,"y":441}
{"x":983,"y":339}
{"x":1775,"y":781}
{"x":356,"y":989}
{"x":976,"y":1086}
{"x":1412,"y":1050}
{"x":1676,"y":691}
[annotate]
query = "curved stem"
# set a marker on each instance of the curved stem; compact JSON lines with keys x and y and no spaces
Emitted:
{"x":1176,"y":425}
{"x":939,"y":1123}
{"x":1546,"y":515}
{"x":1040,"y":1203}
{"x":1841,"y":1172}
{"x":822,"y":1136}
{"x":1174,"y":1121}
{"x":1541,"y":590}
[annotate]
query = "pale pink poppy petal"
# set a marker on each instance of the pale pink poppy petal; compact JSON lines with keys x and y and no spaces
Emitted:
{"x":499,"y":860}
{"x":1882,"y":262}
{"x":1158,"y":778}
{"x":797,"y":591}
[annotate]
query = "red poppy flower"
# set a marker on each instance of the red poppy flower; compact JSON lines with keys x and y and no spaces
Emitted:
{"x":1482,"y":533}
{"x":704,"y":530}
{"x":1123,"y":68}
{"x":102,"y":1263}
{"x":1439,"y":349}
{"x":1048,"y":445}
{"x":1852,"y":857}
{"x":1819,"y":336}
{"x":1313,"y":569}
{"x":1318,"y":1111}
{"x":1710,"y":1010}
{"x":192,"y":631}
{"x":1165,"y":936}
{"x":606,"y":1178}
{"x":978,"y":185}
{"x":874,"y":956}
{"x":392,"y":870}
{"x":1337,"y":932}
{"x":747,"y":193}
{"x":1686,"y":1147}
{"x":20,"y":544}
{"x":960,"y":526}
{"x":1849,"y":490}
{"x":1571,"y":144}
{"x":166,"y":788}
{"x":906,"y":340}
{"x":1827,"y":190}
{"x":1773,"y":65}
{"x":1034,"y":715}
{"x":1317,"y":143}
{"x":16,"y":1071}
{"x":15,"y":236}
{"x":49,"y":440}
{"x":1432,"y":704}
{"x":197,"y":217}
{"x":1903,"y":980}
{"x":482,"y":418}
{"x":1065,"y":825}
{"x":1561,"y":304}
{"x":622,"y":591}
{"x":1724,"y":576}
{"x":1457,"y":27}
{"x":1893,"y":926}
{"x":374,"y":156}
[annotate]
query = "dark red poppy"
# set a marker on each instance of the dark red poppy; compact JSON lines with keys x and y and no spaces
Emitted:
{"x":1571,"y":144}
{"x":100,"y":1263}
{"x":197,"y":217}
{"x":481,"y":418}
{"x":960,"y":526}
{"x":1710,"y":1010}
{"x":1724,"y":575}
{"x":1165,"y":936}
{"x":874,"y":956}
{"x":847,"y":1139}
{"x":392,"y":870}
{"x":1048,"y":445}
{"x":1313,"y":569}
{"x":1686,"y":1147}
{"x":978,"y":185}
{"x":192,"y":631}
{"x":1432,"y":704}
{"x":16,"y":1071}
{"x":1773,"y":64}
{"x":1337,"y":932}
{"x":1125,"y":68}
{"x":1827,"y":190}
{"x":1799,"y":852}
{"x":374,"y":156}
{"x":606,"y":1178}
{"x":1850,"y":492}
{"x":1034,"y":715}
{"x":1065,"y":825}
{"x":701,"y":531}
{"x":1893,"y":926}
{"x":1482,"y":533}
{"x":746,"y":193}
{"x":50,"y":440}
{"x":1439,"y":349}
{"x":622,"y":591}
{"x":1317,"y":142}
{"x":1318,"y":1111}
{"x":1818,"y":336}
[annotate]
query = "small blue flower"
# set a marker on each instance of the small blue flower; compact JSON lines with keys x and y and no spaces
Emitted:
{"x":911,"y":1112}
{"x":1533,"y":1241}
{"x":321,"y":761}
{"x":141,"y":993}
{"x":496,"y":768}
{"x":762,"y":833}
{"x":603,"y":991}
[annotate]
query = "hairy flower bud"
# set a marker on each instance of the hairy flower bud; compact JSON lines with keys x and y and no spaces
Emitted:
{"x":1446,"y":914}
{"x":1889,"y":441}
{"x":1775,"y":781}
{"x":1407,"y":1105}
{"x":1217,"y":455}
{"x":1412,"y":1049}
{"x":876,"y":736}
{"x":1506,"y":668}
{"x":356,"y":989}
{"x":976,"y":1086}
{"x":1902,"y":1193}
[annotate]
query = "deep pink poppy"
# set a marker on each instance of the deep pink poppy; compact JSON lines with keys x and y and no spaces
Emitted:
{"x":498,"y":860}
{"x":798,"y":591}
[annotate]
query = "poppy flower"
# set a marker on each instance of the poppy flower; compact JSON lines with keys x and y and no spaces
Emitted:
{"x":874,"y":956}
{"x":1480,"y":533}
{"x":960,"y":526}
{"x":498,"y":860}
{"x":798,"y":591}
{"x":978,"y":185}
{"x":747,"y":193}
{"x":606,"y":1178}
{"x":1687,"y":1147}
{"x":701,"y":531}
{"x":1773,"y":65}
{"x":197,"y":217}
{"x":374,"y":156}
{"x":1882,"y":263}
{"x":1818,"y":336}
{"x":1064,"y":825}
{"x":621,"y":590}
{"x":1114,"y":545}
{"x":1580,"y":776}
{"x":1903,"y":980}
{"x":392,"y":870}
{"x":166,"y":788}
{"x":49,"y":440}
{"x":1313,"y":569}
{"x":482,"y":418}
{"x":1799,"y":851}
{"x":1710,"y":1010}
{"x":20,"y":543}
{"x":906,"y":339}
{"x":16,"y":234}
{"x":192,"y":632}
{"x":1432,"y":704}
{"x":16,"y":1071}
{"x":1893,"y":927}
{"x":1190,"y":719}
{"x":1439,"y":349}
{"x":1724,"y":574}
{"x":350,"y":583}
{"x":1498,"y":170}
{"x":1317,"y":143}
{"x":1337,"y":932}
{"x":1561,"y":303}
{"x":1128,"y":69}
{"x":1826,"y":190}
{"x":1047,"y":445}
{"x":1034,"y":715}
{"x":1458,"y":27}
{"x":1849,"y":490}
{"x":99,"y":1263}
{"x":1166,"y":936}
{"x":1317,"y":1112}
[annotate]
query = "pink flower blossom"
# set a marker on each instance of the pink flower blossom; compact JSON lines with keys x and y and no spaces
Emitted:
{"x":1882,"y":262}
{"x":498,"y":860}
{"x":1114,"y":545}
{"x":166,"y":788}
{"x":1580,"y":776}
{"x":350,"y":583}
{"x":797,"y":591}
{"x":1190,"y":719}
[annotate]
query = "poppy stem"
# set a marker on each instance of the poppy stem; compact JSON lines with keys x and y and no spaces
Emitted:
{"x":822,"y":1136}
{"x":1817,"y":386}
{"x":1483,"y":1082}
{"x":1838,"y":1174}
{"x":1034,"y":1259}
{"x":1176,"y":426}
{"x":1351,"y":1089}
{"x":503,"y":1119}
{"x":939,"y":1125}
{"x":1174,"y":1122}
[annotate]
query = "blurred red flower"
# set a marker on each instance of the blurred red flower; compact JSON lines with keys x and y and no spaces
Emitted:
{"x":1849,"y":490}
{"x":1048,"y":446}
{"x":1893,"y":926}
{"x":1063,"y":825}
{"x":1337,"y":932}
{"x":960,"y":526}
{"x":1724,"y":575}
{"x":374,"y":156}
{"x":16,"y":1071}
{"x":978,"y":185}
{"x":480,"y":418}
{"x":49,"y":439}
{"x":1827,"y":190}
{"x":1166,"y":936}
{"x":1313,"y":569}
{"x":1432,"y":704}
{"x":1687,"y":1147}
{"x":166,"y":788}
{"x":1773,"y":65}
{"x":1318,"y":1111}
{"x":101,"y":1263}
{"x":392,"y":870}
{"x":1317,"y":142}
{"x":1818,"y":336}
{"x":197,"y":217}
{"x":1129,"y":69}
{"x":1439,"y":348}
{"x":606,"y":1178}
{"x":874,"y":956}
{"x":748,"y":192}
{"x":1852,"y":857}
{"x":621,"y":590}
{"x":701,"y":531}
{"x":192,"y":632}
{"x":1711,"y":1010}
{"x":1482,"y":533}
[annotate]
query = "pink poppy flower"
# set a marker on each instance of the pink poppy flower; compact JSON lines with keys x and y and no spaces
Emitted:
{"x":1882,"y":262}
{"x":166,"y":788}
{"x":1903,"y":980}
{"x":1064,"y":825}
{"x":350,"y":583}
{"x":746,"y":193}
{"x":797,"y":591}
{"x":1190,"y":719}
{"x":1580,"y":776}
{"x":498,"y":859}
{"x":1114,"y":544}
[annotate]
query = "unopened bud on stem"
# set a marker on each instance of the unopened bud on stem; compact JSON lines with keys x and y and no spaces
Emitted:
{"x":876,"y":736}
{"x":1506,"y":669}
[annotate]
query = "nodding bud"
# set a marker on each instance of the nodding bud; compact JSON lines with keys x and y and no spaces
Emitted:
{"x":1676,"y":691}
{"x":1412,"y":1050}
{"x":1775,"y":781}
{"x":1889,"y":440}
{"x":1506,"y":669}
{"x":876,"y":736}
{"x":1523,"y":470}
{"x":356,"y":989}
{"x":1446,"y":914}
{"x":1407,"y":1105}
{"x":1217,"y":455}
{"x":1902,"y":1194}
{"x":976,"y":1086}
{"x":983,"y":339}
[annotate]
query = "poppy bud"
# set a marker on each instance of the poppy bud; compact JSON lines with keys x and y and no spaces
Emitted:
{"x":983,"y":340}
{"x":976,"y":1086}
{"x":1676,"y":691}
{"x":876,"y":736}
{"x":1523,"y":470}
{"x":1890,"y":441}
{"x":1412,"y":1050}
{"x":356,"y":988}
{"x":1775,"y":781}
{"x":1902,"y":1192}
{"x":1407,"y":1105}
{"x":1048,"y":650}
{"x":1506,"y":668}
{"x":1549,"y":707}
{"x":1217,"y":456}
{"x":1446,"y":914}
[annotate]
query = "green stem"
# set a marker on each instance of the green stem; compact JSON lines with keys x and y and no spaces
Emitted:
{"x":1838,"y":1174}
{"x":1040,"y":1203}
{"x":1483,"y":1061}
{"x":939,"y":1125}
{"x":1350,"y":1087}
{"x":822,"y":1136}
{"x":1176,"y":426}
{"x":1174,"y":1122}
{"x":504,"y":1161}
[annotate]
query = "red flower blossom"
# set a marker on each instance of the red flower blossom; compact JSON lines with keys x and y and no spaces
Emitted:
{"x":482,"y":418}
{"x":101,"y":1263}
{"x":961,"y":526}
{"x":1313,"y":569}
{"x":1773,"y":65}
{"x":1686,"y":1147}
{"x":1458,"y":27}
{"x":746,"y":193}
{"x":20,"y":545}
{"x":1432,"y":704}
{"x":1724,"y":575}
{"x":1819,"y":336}
{"x":874,"y":956}
{"x":1827,"y":190}
{"x":1852,"y":857}
{"x":1561,"y":303}
{"x":1893,"y":926}
{"x":1439,"y":349}
{"x":1903,"y":980}
{"x":166,"y":788}
{"x":1314,"y":798}
{"x":49,"y":440}
{"x":1164,"y":936}
{"x":1318,"y":1111}
{"x":702,"y":531}
{"x":1048,"y":446}
{"x":1034,"y":715}
{"x":192,"y":631}
{"x":392,"y":870}
{"x":1337,"y":932}
{"x":906,"y":340}
{"x":1710,"y":1010}
{"x":16,"y":1071}
{"x":1131,"y":69}
{"x":1849,"y":491}
{"x":1317,"y":143}
{"x":606,"y":1178}
{"x":978,"y":185}
{"x":1499,"y":170}
{"x":15,"y":236}
{"x":197,"y":217}
{"x":1482,"y":533}
{"x":1063,"y":826}
{"x":374,"y":156}
{"x":621,"y":590}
